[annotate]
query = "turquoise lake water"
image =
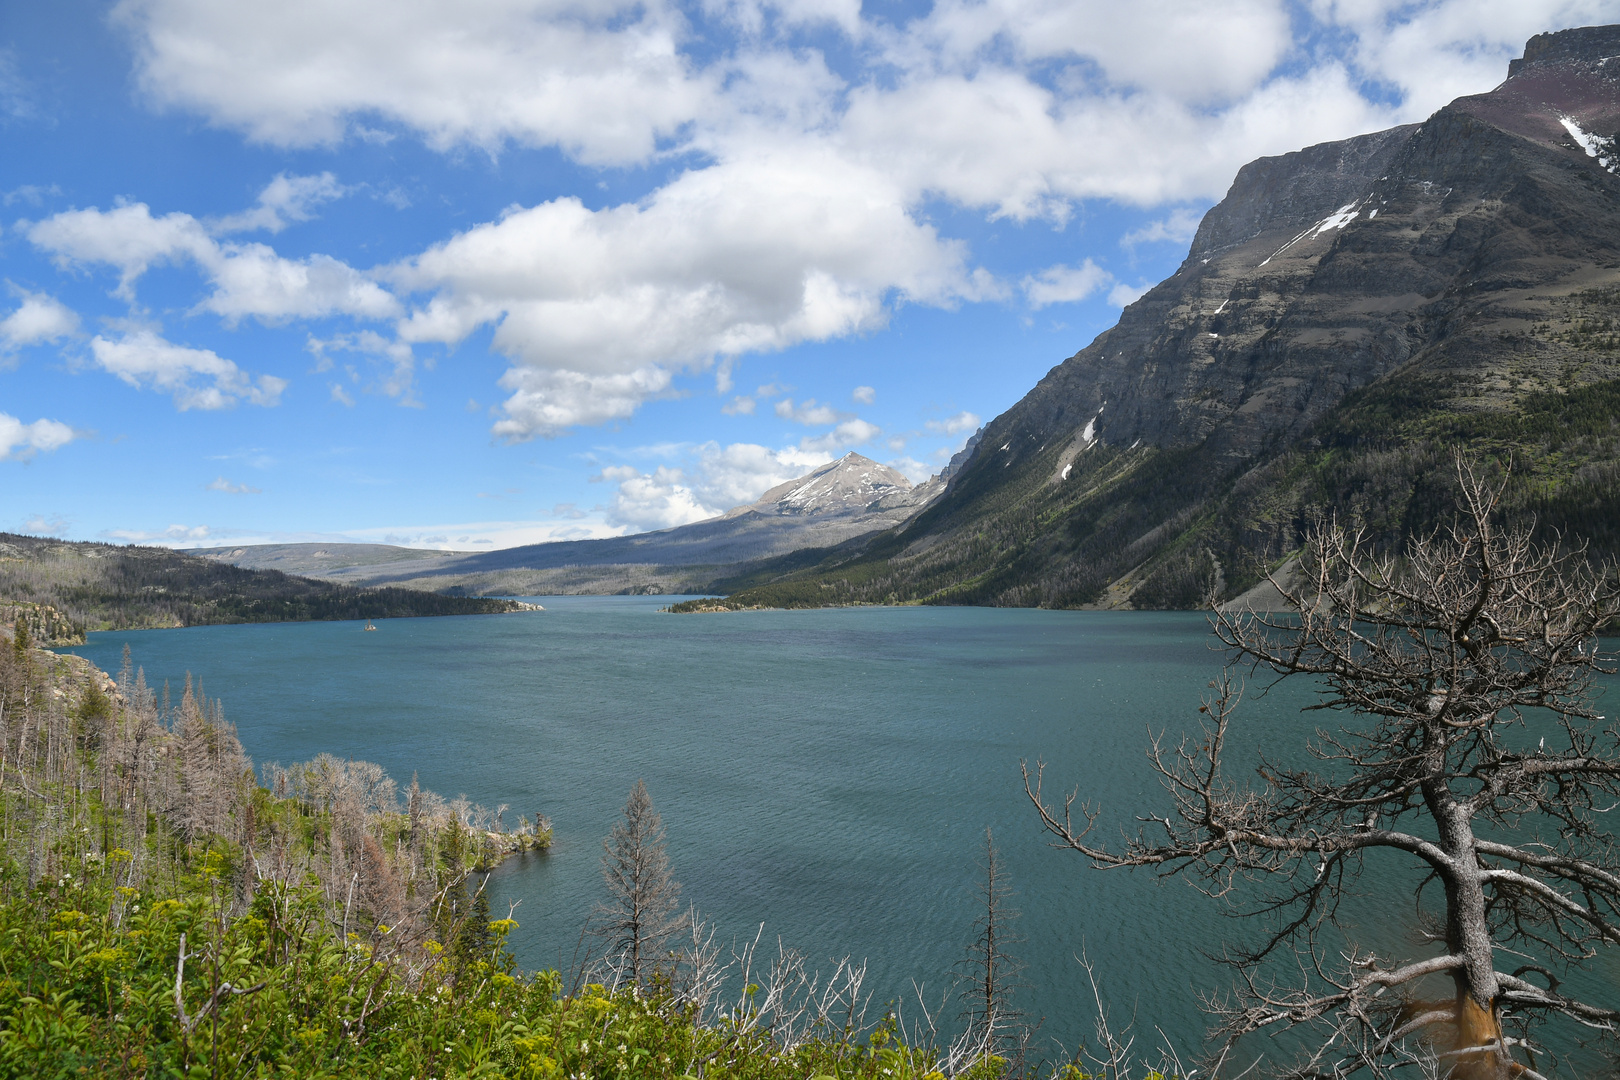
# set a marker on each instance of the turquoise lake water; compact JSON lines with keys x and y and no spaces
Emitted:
{"x":829,"y":774}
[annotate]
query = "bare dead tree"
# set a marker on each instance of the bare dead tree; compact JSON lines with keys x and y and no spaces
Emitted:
{"x":642,"y":918}
{"x":786,"y":999}
{"x":698,"y":972}
{"x":1464,"y":671}
{"x":1116,"y":1053}
{"x":993,"y":1026}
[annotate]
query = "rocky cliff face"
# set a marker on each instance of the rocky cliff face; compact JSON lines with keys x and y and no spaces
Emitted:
{"x":1324,"y":270}
{"x":1344,"y":316}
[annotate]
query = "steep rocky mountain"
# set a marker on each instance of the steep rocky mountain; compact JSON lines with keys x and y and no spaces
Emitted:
{"x":1348,"y":317}
{"x":834,"y":503}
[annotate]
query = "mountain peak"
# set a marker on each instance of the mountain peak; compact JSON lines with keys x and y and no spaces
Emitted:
{"x":849,"y":485}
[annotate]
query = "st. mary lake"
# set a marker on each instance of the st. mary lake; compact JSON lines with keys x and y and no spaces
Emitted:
{"x":828,"y":774}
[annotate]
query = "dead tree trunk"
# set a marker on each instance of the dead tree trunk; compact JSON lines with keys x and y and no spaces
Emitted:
{"x":1464,"y":672}
{"x":990,"y":972}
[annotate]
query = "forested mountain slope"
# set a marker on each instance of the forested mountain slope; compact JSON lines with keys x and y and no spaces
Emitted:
{"x":1347,"y":317}
{"x":62,"y":589}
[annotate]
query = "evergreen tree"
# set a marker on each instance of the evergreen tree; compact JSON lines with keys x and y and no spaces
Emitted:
{"x":474,"y":939}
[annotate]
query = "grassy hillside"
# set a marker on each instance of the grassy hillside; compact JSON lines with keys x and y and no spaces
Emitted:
{"x":70,"y":588}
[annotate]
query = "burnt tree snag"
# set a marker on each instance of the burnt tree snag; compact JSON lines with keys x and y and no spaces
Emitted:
{"x":1470,"y":742}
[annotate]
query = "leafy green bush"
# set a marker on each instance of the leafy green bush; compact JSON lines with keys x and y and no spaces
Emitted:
{"x":92,"y":983}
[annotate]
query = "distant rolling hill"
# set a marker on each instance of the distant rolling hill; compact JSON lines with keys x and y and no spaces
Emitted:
{"x":63,"y":589}
{"x":330,"y":561}
{"x":833,"y":504}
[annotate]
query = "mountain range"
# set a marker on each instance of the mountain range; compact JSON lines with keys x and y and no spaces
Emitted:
{"x":834,"y":503}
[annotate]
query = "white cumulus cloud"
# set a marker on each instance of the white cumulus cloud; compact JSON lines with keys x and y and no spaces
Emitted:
{"x":848,"y":429}
{"x":1021,"y":106}
{"x":1179,"y":228}
{"x":548,"y":402}
{"x":912,"y":469}
{"x":198,"y":378}
{"x":599,"y":309}
{"x":1123,"y":295}
{"x":249,"y":279}
{"x":602,"y":78}
{"x":1199,"y":53}
{"x":657,"y":500}
{"x":711,"y":480}
{"x":20,"y":441}
{"x":284,"y":200}
{"x":955,"y":425}
{"x":818,"y":141}
{"x":808,"y":412}
{"x":850,"y":433}
{"x":40,"y":525}
{"x":738,"y":474}
{"x":127,"y":237}
{"x":1065,"y":284}
{"x":37,"y":319}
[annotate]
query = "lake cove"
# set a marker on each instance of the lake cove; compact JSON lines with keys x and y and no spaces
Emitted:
{"x":827,"y":773}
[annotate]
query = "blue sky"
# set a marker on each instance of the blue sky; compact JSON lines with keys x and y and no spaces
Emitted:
{"x":493,"y":272}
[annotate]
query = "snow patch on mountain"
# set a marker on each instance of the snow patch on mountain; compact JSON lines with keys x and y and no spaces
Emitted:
{"x":1596,"y":146}
{"x":1341,"y":217}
